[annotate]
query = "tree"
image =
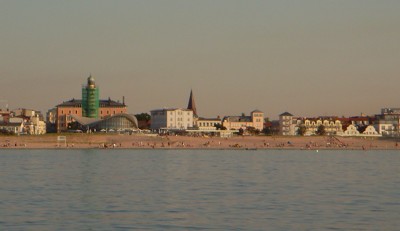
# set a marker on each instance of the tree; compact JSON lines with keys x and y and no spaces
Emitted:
{"x":252,"y":130}
{"x":320,"y":130}
{"x":267,"y":131}
{"x":219,"y":127}
{"x":143,"y":117}
{"x":302,"y":130}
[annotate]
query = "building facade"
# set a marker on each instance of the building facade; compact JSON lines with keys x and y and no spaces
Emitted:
{"x":388,"y":122}
{"x":89,"y":106}
{"x":332,"y":126}
{"x":23,"y":121}
{"x":256,"y":120}
{"x":171,"y":119}
{"x":287,"y":124}
{"x":208,"y":124}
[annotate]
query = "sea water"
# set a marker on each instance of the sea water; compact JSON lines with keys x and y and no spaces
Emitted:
{"x":199,"y":190}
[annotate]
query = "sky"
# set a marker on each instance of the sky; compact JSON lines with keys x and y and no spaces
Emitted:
{"x":308,"y":57}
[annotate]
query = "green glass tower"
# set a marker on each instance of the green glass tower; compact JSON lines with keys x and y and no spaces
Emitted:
{"x":90,"y":99}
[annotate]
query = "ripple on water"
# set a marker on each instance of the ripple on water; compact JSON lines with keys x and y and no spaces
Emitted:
{"x":198,"y":190}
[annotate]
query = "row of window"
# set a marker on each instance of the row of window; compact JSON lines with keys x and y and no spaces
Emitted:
{"x":208,"y":124}
{"x":258,"y":115}
{"x":101,"y":112}
{"x":178,"y":119}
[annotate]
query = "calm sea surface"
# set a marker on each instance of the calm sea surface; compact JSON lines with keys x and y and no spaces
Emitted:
{"x":199,"y":190}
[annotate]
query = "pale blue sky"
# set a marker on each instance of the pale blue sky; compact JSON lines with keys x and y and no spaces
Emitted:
{"x":321,"y":57}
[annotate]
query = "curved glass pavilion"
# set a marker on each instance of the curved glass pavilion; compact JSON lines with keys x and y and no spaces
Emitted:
{"x":118,"y":122}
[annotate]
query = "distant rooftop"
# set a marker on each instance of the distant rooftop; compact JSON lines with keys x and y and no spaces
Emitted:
{"x":286,"y":114}
{"x":103,"y":103}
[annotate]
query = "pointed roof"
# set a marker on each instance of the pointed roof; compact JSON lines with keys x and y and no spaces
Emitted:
{"x":192,"y":104}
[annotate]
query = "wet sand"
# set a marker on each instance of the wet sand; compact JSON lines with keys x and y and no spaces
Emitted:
{"x":82,"y":141}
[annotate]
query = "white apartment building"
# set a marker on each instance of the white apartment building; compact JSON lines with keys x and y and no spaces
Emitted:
{"x":288,"y":125}
{"x":171,"y":119}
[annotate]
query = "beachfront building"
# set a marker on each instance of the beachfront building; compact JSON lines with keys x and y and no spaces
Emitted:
{"x":208,"y":124}
{"x":388,"y":122}
{"x":171,"y":119}
{"x":89,"y":106}
{"x":209,"y":127}
{"x":288,"y":125}
{"x":331,"y":125}
{"x":11,"y":127}
{"x":352,"y":130}
{"x":23,"y":121}
{"x":255,"y":120}
{"x":370,"y":131}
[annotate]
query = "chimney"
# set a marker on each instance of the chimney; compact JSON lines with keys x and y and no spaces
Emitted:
{"x":123,"y":100}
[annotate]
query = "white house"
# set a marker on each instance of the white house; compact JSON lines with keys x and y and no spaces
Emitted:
{"x":171,"y":119}
{"x":352,"y":130}
{"x":370,"y":131}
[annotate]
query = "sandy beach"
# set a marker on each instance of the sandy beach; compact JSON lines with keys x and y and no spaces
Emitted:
{"x":82,"y":141}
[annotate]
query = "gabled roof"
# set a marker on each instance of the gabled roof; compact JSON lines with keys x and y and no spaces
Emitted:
{"x":257,"y":111}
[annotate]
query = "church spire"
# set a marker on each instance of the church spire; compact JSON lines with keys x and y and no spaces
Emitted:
{"x":191,"y":104}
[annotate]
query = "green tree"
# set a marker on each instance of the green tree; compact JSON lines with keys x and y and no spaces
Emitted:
{"x":267,"y":131}
{"x":219,"y":127}
{"x":252,"y":130}
{"x":143,"y":117}
{"x":321,"y":130}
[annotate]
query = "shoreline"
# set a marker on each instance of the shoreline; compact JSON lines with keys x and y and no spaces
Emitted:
{"x":140,"y":142}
